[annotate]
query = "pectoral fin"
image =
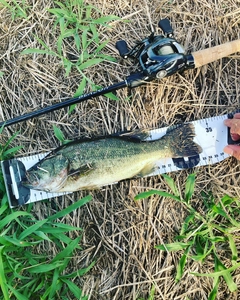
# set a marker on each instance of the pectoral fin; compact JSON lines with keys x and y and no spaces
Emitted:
{"x":81,"y":171}
{"x":146,"y":170}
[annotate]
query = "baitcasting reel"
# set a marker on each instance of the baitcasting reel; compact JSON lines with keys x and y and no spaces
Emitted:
{"x":158,"y":56}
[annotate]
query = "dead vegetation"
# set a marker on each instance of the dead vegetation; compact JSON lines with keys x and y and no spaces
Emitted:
{"x":120,"y":233}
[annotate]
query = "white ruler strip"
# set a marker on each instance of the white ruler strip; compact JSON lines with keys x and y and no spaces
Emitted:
{"x":211,"y":135}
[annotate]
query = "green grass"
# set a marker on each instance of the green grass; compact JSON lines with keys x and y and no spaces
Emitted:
{"x":151,"y":294}
{"x":76,"y":25}
{"x":26,"y":273}
{"x":59,"y":135}
{"x":203,"y":236}
{"x":18,"y":9}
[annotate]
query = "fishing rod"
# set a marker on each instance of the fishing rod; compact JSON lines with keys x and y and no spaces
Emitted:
{"x":157,"y":56}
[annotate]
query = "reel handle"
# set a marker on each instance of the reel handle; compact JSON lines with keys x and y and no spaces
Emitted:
{"x":122,"y":48}
{"x":166,"y":27}
{"x":206,"y":56}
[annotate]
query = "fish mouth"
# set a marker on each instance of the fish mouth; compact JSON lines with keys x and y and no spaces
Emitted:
{"x":52,"y":184}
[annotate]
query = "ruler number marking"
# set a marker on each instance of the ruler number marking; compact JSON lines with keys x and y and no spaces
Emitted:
{"x":208,"y":128}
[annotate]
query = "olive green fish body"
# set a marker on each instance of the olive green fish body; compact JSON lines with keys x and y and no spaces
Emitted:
{"x":96,"y":163}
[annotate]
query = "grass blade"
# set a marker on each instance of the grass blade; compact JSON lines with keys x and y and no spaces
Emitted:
{"x":233,"y":249}
{"x":44,"y":268}
{"x":111,"y":96}
{"x":189,"y":187}
{"x":38,"y":51}
{"x":189,"y":219}
{"x":170,"y":182}
{"x":213,"y":294}
{"x":173,"y":246}
{"x":11,"y":152}
{"x":227,"y":275}
{"x":3,"y":208}
{"x":58,"y":228}
{"x":18,"y":295}
{"x":152,"y":292}
{"x":80,"y":272}
{"x":73,"y":288}
{"x":67,"y":251}
{"x":3,"y":281}
{"x":181,"y":265}
{"x":70,"y":208}
{"x":89,"y":63}
{"x":13,"y":216}
{"x":218,"y":273}
{"x":79,"y":91}
{"x":223,"y":271}
{"x":54,"y":285}
{"x":42,"y":236}
{"x":17,"y":242}
{"x":58,"y":133}
{"x":155,"y":192}
{"x":10,"y":140}
{"x":31,"y":229}
{"x":105,"y":19}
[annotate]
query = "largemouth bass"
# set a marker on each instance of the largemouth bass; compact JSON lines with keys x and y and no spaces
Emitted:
{"x":95,"y":163}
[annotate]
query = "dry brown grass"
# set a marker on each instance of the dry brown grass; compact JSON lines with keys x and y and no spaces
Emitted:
{"x":119,"y":233}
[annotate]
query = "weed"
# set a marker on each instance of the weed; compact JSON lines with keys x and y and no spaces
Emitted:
{"x":202,"y":236}
{"x":6,"y":153}
{"x":17,"y":10}
{"x":151,"y":294}
{"x":26,"y":273}
{"x":59,"y":135}
{"x":75,"y":22}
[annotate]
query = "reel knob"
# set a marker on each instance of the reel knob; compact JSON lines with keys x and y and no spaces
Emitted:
{"x":166,"y":27}
{"x":122,"y":48}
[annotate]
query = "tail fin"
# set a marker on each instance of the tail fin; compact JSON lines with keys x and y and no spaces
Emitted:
{"x":181,"y":141}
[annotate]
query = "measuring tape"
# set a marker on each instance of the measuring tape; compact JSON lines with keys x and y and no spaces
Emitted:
{"x":211,"y":134}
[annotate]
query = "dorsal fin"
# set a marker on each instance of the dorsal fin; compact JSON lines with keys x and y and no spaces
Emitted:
{"x":134,"y":136}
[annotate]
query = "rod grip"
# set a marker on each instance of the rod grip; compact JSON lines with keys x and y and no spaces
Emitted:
{"x":209,"y":55}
